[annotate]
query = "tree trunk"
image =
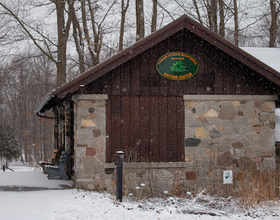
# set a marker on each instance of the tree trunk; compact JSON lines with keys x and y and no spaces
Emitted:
{"x":140,"y":26}
{"x":236,"y":25}
{"x":97,"y":34}
{"x":211,"y":7}
{"x":222,"y":18}
{"x":90,"y":44}
{"x":62,"y":33}
{"x":154,"y":17}
{"x":273,"y":25}
{"x":61,"y":44}
{"x":124,"y":9}
{"x":77,"y":35}
{"x":214,"y":12}
{"x":197,"y":11}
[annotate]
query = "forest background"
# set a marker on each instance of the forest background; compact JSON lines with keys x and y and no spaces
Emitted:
{"x":45,"y":43}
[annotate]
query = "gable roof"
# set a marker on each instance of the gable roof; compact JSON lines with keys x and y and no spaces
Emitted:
{"x":184,"y":22}
{"x":268,"y":55}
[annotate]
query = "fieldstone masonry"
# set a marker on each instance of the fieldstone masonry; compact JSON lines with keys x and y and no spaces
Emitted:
{"x":89,"y":135}
{"x":229,"y":132}
{"x":221,"y":132}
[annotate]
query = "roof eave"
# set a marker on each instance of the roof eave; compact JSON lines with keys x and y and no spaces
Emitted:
{"x":121,"y":57}
{"x":234,"y":51}
{"x":46,"y":99}
{"x":158,"y":36}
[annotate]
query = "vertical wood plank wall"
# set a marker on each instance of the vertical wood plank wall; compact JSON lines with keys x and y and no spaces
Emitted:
{"x":145,"y":112}
{"x":146,"y":128}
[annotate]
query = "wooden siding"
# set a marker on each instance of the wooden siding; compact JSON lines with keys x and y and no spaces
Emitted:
{"x":146,"y":128}
{"x":194,"y":38}
{"x":219,"y":73}
{"x":145,"y":110}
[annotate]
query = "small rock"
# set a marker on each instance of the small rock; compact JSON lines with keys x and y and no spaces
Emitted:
{"x":237,"y":145}
{"x":201,"y":133}
{"x":204,"y":122}
{"x":240,"y":113}
{"x":227,"y":113}
{"x":192,"y":142}
{"x":236,"y":103}
{"x":214,"y":133}
{"x":211,"y":113}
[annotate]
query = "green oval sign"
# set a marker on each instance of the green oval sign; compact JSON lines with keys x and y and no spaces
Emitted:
{"x":177,"y":66}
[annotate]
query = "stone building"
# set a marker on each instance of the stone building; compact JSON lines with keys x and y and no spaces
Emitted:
{"x":183,"y":104}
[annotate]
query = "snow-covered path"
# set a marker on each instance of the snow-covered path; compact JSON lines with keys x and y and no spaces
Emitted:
{"x":27,"y":194}
{"x":30,"y":205}
{"x":28,"y":178}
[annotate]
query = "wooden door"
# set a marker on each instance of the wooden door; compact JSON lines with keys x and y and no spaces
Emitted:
{"x":146,"y":128}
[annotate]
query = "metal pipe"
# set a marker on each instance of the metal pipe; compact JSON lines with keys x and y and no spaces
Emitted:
{"x":42,"y":116}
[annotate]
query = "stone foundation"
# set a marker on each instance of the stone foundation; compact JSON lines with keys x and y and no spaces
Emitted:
{"x":221,"y":133}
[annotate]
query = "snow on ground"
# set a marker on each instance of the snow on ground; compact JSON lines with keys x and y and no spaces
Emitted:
{"x":34,"y":197}
{"x":29,"y":177}
{"x":84,"y":205}
{"x":30,"y":205}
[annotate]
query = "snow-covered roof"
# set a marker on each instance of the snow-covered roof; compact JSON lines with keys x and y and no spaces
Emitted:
{"x":268,"y":55}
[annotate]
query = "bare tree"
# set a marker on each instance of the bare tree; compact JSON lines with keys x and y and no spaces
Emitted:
{"x":154,"y":16}
{"x":78,"y":37}
{"x":44,"y":43}
{"x":140,"y":25}
{"x":206,"y":12}
{"x":222,"y":18}
{"x":93,"y":39}
{"x":124,"y":8}
{"x":63,"y":28}
{"x":212,"y":11}
{"x":236,"y":23}
{"x":197,"y":11}
{"x":28,"y":81}
{"x":274,"y":12}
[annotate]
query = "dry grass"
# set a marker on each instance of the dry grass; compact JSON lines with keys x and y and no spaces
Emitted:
{"x":178,"y":186}
{"x":258,"y":188}
{"x":252,"y":187}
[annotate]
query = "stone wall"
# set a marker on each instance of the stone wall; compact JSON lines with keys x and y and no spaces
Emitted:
{"x":229,"y":133}
{"x":90,"y":144}
{"x":221,"y":133}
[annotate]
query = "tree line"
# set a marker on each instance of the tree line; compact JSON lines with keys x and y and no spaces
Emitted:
{"x":45,"y":43}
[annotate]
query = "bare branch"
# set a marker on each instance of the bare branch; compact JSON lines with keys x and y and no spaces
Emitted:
{"x":22,"y":24}
{"x":92,"y":18}
{"x":1,"y":37}
{"x":86,"y":32}
{"x":166,"y":11}
{"x":197,"y":12}
{"x":254,"y":22}
{"x":107,"y":12}
{"x":190,"y":14}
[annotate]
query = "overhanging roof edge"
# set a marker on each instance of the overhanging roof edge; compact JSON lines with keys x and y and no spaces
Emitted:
{"x":235,"y":51}
{"x":144,"y":44}
{"x":46,"y":99}
{"x":156,"y":37}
